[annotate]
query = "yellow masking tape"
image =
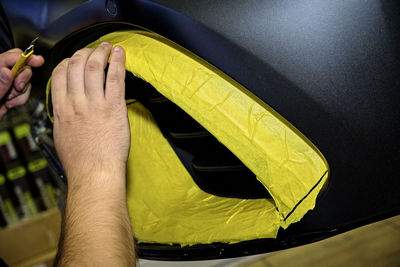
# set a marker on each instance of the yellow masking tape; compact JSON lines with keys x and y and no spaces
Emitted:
{"x":165,"y":204}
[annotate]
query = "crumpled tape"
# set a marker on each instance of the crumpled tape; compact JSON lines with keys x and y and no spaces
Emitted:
{"x":285,"y":162}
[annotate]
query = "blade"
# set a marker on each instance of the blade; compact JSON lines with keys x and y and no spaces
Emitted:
{"x":30,"y":47}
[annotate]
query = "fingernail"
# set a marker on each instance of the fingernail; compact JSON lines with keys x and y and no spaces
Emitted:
{"x":117,"y":48}
{"x":105,"y":43}
{"x":4,"y":77}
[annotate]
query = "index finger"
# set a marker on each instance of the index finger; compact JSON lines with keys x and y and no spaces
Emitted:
{"x":9,"y":58}
{"x":59,"y":85}
{"x":35,"y":61}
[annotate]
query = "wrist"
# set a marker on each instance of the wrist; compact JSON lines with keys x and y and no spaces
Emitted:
{"x":110,"y":177}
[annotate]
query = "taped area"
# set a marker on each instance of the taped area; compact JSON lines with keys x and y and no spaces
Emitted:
{"x":165,"y":204}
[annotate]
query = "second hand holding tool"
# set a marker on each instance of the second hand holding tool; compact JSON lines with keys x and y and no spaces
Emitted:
{"x":19,"y":65}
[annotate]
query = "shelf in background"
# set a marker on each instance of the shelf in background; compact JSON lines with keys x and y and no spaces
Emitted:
{"x":32,"y":240}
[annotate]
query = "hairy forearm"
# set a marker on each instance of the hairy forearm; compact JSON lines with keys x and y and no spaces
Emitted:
{"x":96,"y":227}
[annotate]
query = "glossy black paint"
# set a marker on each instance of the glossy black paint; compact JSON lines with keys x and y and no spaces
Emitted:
{"x":331,"y":68}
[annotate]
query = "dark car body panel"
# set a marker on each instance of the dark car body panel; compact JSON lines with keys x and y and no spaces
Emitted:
{"x":331,"y":68}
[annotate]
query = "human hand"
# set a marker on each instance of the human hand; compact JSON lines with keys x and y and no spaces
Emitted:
{"x":91,"y":127}
{"x":21,"y":85}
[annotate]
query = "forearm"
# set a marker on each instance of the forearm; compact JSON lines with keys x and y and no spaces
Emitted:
{"x":96,"y":228}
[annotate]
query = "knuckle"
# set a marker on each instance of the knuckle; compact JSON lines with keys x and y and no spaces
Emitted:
{"x":78,"y":110}
{"x":61,"y":67}
{"x":26,"y":73}
{"x":58,"y":70}
{"x":75,"y":59}
{"x":15,"y":51}
{"x":65,"y":61}
{"x":113,"y":77}
{"x":86,"y":50}
{"x":7,"y":77}
{"x":58,"y":113}
{"x":93,"y":65}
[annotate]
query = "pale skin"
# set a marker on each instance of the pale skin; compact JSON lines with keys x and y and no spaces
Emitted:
{"x":20,"y":85}
{"x":92,"y":139}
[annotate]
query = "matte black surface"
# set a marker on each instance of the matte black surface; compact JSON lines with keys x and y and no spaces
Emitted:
{"x":331,"y":68}
{"x":337,"y":79}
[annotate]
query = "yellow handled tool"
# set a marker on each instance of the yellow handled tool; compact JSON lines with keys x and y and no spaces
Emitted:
{"x":23,"y":58}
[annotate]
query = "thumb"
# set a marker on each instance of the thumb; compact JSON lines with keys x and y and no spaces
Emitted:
{"x":6,"y":79}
